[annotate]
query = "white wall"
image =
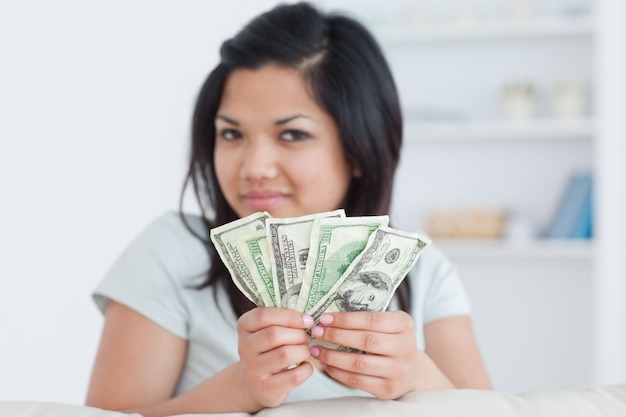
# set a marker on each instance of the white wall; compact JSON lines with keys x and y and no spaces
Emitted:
{"x":95,"y":102}
{"x":533,"y":319}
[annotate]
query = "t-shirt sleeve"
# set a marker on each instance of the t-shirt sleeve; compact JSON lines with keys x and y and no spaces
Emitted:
{"x":146,"y":276}
{"x":444,"y":294}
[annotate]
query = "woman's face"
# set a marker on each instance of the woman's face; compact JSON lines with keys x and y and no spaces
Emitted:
{"x":276,"y":150}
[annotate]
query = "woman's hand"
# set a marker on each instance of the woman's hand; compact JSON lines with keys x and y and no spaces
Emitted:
{"x":273,"y":349}
{"x":393,"y":365}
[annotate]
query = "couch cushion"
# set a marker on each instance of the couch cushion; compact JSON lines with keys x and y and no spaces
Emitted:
{"x":608,"y":401}
{"x":47,"y":409}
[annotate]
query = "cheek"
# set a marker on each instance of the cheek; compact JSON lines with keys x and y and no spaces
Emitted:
{"x":323,"y":170}
{"x":224,"y":169}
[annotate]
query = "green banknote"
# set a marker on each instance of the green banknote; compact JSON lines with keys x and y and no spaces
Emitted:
{"x":289,"y":240}
{"x":226,"y":239}
{"x":335,"y":243}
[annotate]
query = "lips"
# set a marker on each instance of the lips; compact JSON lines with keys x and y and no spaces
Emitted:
{"x":261,"y":200}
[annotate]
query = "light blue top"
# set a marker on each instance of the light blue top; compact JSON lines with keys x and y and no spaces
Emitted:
{"x":156,"y":274}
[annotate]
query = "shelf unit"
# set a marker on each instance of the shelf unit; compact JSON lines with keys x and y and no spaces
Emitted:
{"x":473,"y":152}
{"x":487,"y":30}
{"x":443,"y":132}
{"x":528,"y":250}
{"x":499,"y":130}
{"x":494,"y":30}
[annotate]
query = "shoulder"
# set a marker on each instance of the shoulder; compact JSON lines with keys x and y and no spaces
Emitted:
{"x":178,"y":241}
{"x":433,"y":263}
{"x":153,"y":274}
{"x":182,"y":227}
{"x":174,"y":230}
{"x":173,"y":245}
{"x":439,"y":291}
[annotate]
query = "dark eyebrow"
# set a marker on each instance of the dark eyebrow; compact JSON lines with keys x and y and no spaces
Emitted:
{"x":227,"y":120}
{"x":290,"y":118}
{"x":277,"y":123}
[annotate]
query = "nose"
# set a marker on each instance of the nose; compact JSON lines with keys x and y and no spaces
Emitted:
{"x":260,"y":160}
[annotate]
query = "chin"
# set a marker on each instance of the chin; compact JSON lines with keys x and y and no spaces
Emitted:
{"x":282,"y":212}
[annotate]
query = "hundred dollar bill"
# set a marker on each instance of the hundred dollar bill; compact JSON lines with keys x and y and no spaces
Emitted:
{"x":289,"y":240}
{"x":371,"y":280}
{"x":226,"y":238}
{"x":334,"y":245}
{"x":254,"y":252}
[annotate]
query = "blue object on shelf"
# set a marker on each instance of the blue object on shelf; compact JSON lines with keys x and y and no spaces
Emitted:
{"x":574,"y":216}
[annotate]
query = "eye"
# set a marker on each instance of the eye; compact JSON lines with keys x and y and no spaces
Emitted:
{"x":372,"y":297}
{"x":230,"y":134}
{"x":294,"y":135}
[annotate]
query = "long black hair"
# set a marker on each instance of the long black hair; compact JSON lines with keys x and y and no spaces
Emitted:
{"x":347,"y":75}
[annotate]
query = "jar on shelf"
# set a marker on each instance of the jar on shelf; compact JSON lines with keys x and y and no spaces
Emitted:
{"x":518,"y":100}
{"x":569,"y":98}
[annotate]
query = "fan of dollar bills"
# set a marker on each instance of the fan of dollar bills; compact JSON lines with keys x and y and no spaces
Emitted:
{"x":325,"y":262}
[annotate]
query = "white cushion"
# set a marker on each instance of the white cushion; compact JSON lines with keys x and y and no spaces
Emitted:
{"x":609,"y":401}
{"x":47,"y":409}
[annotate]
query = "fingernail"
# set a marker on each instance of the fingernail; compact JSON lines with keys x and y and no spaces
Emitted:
{"x":315,"y":352}
{"x":326,"y":319}
{"x":317,"y":331}
{"x":307,"y":320}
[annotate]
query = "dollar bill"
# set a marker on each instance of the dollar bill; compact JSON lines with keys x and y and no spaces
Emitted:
{"x":335,"y":243}
{"x":318,"y":263}
{"x":226,"y":239}
{"x":371,"y":280}
{"x":289,"y":240}
{"x":254,"y":252}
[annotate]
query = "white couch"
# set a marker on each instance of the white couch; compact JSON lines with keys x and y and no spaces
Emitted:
{"x":608,"y":401}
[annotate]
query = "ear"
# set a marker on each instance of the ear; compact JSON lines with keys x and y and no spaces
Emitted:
{"x":356,"y":171}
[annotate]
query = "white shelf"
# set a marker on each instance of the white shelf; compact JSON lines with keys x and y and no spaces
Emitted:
{"x":487,"y":29}
{"x":539,"y":249}
{"x":499,"y":130}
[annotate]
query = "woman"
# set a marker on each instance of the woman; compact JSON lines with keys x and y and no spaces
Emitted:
{"x":300,"y":116}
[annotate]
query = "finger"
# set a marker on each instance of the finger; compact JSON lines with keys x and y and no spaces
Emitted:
{"x":272,"y":390}
{"x":377,"y":321}
{"x":289,"y":379}
{"x":280,"y":359}
{"x":285,"y":357}
{"x":261,"y":317}
{"x":358,"y":363}
{"x":381,"y":388}
{"x":386,"y":344}
{"x":271,"y":337}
